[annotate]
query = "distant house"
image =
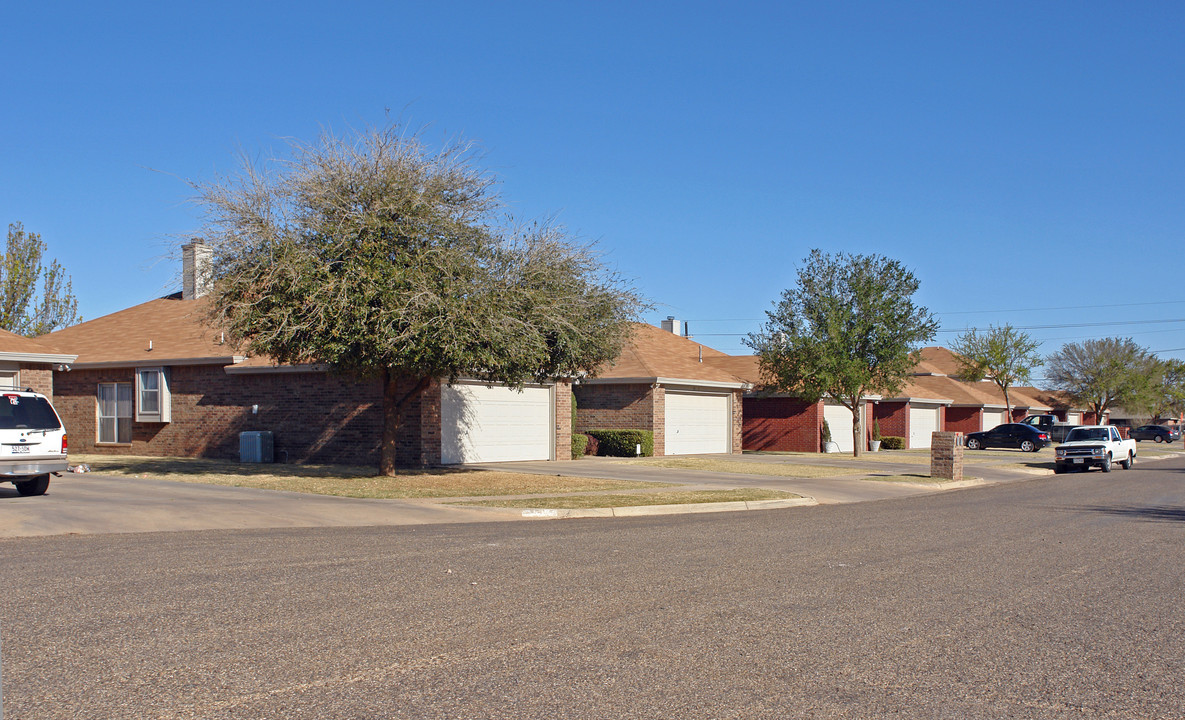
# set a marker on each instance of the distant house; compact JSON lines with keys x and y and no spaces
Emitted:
{"x":668,"y":384}
{"x":157,"y":379}
{"x":28,"y":363}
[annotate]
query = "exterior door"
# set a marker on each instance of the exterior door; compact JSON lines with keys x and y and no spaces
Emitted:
{"x":494,"y":424}
{"x":923,"y":421}
{"x":839,"y":420}
{"x":698,"y":424}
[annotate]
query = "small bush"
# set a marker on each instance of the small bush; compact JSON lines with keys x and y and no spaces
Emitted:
{"x":876,"y":430}
{"x":623,"y":443}
{"x":593,"y":445}
{"x":892,"y":442}
{"x":579,"y":445}
{"x":826,"y":432}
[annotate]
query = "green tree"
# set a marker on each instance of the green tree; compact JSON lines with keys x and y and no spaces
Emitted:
{"x":1001,"y":354}
{"x":1168,"y":391}
{"x":848,"y":329}
{"x":381,"y":258}
{"x":1102,"y":374}
{"x":25,"y":308}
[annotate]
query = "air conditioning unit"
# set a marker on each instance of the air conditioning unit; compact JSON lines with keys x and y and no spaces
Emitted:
{"x":256,"y":446}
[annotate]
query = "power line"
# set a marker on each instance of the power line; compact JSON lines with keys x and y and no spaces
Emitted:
{"x":1064,"y":307}
{"x":1063,"y":326}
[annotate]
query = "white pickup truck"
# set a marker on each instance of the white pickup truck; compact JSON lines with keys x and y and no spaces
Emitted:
{"x":1094,"y":446}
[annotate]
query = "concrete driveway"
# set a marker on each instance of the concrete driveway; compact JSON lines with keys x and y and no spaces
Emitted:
{"x":92,"y":503}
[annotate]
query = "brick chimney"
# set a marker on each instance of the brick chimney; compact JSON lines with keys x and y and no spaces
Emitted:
{"x":196,"y":275}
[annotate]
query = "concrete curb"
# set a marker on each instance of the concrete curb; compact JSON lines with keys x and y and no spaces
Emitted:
{"x":681,"y":509}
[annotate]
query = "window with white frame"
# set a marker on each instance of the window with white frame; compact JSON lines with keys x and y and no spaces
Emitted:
{"x":115,"y":413}
{"x":10,"y":379}
{"x":153,"y":402}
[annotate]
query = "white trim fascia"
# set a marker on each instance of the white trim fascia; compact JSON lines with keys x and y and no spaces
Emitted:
{"x":47,"y":358}
{"x":932,"y":401}
{"x":154,"y":362}
{"x":985,"y":406}
{"x":664,"y":381}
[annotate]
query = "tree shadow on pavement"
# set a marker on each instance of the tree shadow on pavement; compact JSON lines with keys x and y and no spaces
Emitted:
{"x":1148,"y":513}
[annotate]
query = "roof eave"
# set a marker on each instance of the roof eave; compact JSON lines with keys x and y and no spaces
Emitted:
{"x":153,"y":362}
{"x":49,"y":358}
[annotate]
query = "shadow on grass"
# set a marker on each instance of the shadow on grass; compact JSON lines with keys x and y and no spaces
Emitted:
{"x":1147,"y":513}
{"x":139,"y":465}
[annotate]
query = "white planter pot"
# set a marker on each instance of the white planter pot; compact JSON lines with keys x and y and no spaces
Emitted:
{"x":830,"y":447}
{"x":874,"y":445}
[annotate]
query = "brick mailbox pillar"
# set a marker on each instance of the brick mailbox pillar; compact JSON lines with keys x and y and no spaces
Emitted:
{"x":946,"y":455}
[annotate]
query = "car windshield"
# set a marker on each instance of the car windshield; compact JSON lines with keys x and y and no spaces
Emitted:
{"x":1078,"y":434}
{"x":33,"y":413}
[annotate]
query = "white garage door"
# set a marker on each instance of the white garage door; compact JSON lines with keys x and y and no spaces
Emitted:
{"x":839,"y":421}
{"x":922,"y":422}
{"x":992,"y":418}
{"x":494,"y":424}
{"x":698,"y":424}
{"x":1074,"y":418}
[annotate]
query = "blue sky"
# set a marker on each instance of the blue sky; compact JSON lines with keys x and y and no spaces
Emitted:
{"x":1018,"y":157}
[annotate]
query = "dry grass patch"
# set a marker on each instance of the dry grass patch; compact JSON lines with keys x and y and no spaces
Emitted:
{"x":347,"y":480}
{"x":914,"y":478}
{"x":742,"y":467}
{"x":585,"y":502}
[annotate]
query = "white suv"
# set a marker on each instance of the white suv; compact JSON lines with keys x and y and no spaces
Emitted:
{"x":32,"y":441}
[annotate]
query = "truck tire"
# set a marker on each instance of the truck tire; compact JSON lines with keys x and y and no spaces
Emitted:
{"x":1127,"y":464}
{"x":35,"y":486}
{"x":1106,"y":466}
{"x":1058,"y":469}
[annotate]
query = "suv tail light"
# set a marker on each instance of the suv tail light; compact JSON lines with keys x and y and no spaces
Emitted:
{"x":63,"y":443}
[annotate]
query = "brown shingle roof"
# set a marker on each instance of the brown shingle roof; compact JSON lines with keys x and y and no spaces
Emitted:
{"x":653,"y":353}
{"x":175,"y":328}
{"x":13,"y":344}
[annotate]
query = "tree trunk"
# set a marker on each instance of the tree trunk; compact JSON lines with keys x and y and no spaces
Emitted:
{"x":393,"y":402}
{"x":857,"y":429}
{"x":1007,"y":404}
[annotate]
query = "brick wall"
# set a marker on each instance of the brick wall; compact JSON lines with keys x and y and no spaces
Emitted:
{"x":738,"y":421}
{"x":316,"y":417}
{"x":563,"y":420}
{"x":38,"y":378}
{"x":781,"y":423}
{"x":893,"y":418}
{"x":963,"y":419}
{"x":1019,"y":414}
{"x":615,"y":407}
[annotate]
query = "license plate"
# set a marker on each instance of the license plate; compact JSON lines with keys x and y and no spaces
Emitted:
{"x":1078,"y":460}
{"x":20,"y":449}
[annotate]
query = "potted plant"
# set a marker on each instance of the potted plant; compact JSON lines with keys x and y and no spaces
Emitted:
{"x":828,"y":446}
{"x":875,"y":445}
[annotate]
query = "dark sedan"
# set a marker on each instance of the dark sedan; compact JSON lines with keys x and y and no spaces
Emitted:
{"x":1010,"y":435}
{"x":1156,"y":433}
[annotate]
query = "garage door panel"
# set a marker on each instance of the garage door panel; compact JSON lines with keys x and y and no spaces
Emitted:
{"x":992,"y":418}
{"x":839,"y":421}
{"x":698,"y":424}
{"x":923,"y":422}
{"x":494,"y":424}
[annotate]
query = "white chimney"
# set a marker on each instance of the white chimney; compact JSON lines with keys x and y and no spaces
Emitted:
{"x":672,"y":325}
{"x":196,"y":275}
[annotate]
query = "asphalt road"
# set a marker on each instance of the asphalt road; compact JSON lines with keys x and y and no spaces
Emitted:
{"x":1058,"y":597}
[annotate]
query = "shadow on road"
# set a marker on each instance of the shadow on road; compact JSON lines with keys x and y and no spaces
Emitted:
{"x":1150,"y":513}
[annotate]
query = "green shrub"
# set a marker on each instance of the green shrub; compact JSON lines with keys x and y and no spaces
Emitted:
{"x":623,"y":443}
{"x":876,"y":429}
{"x":892,"y":442}
{"x":579,"y":445}
{"x":826,"y":432}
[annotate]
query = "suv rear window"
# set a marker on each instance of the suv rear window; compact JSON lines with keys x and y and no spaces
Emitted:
{"x":32,"y":413}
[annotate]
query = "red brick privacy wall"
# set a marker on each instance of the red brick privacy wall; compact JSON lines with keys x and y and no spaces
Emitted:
{"x":963,"y":419}
{"x":316,"y":417}
{"x":38,"y":378}
{"x":893,"y":418}
{"x":781,"y":423}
